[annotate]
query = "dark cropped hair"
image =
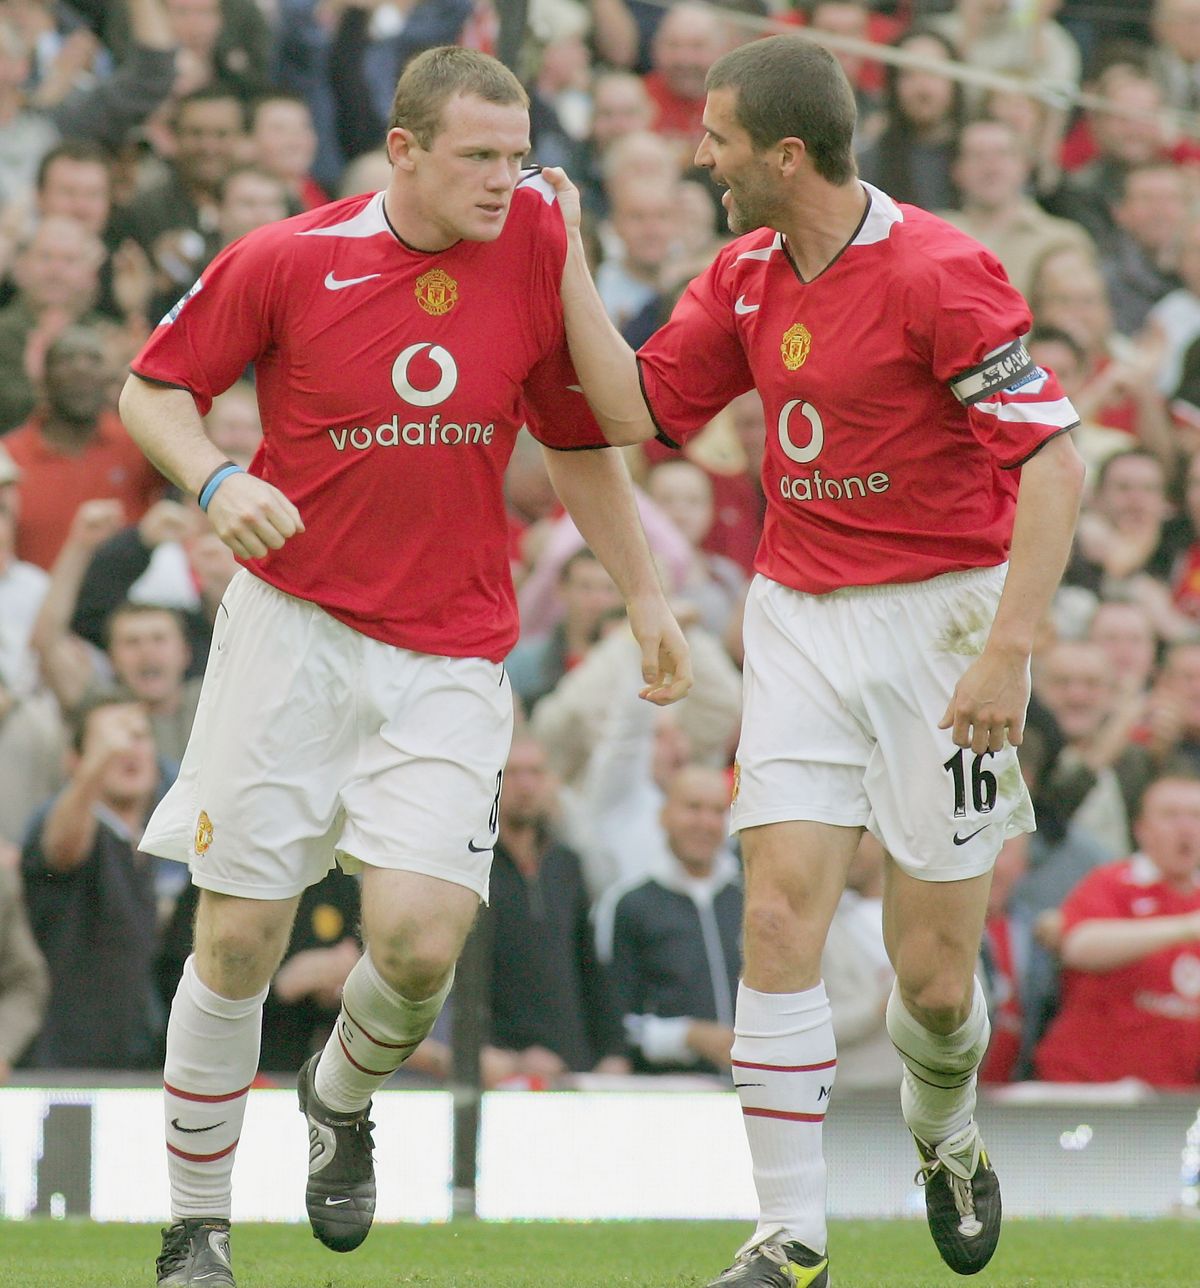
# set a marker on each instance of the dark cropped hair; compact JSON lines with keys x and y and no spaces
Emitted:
{"x":791,"y":87}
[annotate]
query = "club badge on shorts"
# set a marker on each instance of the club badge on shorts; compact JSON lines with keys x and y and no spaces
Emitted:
{"x":204,"y":833}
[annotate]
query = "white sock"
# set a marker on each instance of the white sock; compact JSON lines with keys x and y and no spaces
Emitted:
{"x":784,"y":1061}
{"x":212,"y":1057}
{"x":376,"y":1032}
{"x":937,"y":1092}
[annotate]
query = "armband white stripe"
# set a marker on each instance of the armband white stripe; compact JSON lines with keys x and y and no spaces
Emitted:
{"x":1001,"y":369}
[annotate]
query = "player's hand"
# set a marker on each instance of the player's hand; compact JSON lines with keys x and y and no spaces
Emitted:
{"x":666,"y":658}
{"x":568,"y":196}
{"x":989,"y":701}
{"x":252,"y":517}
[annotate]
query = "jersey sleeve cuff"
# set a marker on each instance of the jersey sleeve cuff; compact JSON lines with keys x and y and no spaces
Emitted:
{"x":1016,"y":465}
{"x":659,"y":433}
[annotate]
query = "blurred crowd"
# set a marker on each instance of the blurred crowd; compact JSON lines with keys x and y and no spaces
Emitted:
{"x":139,"y":137}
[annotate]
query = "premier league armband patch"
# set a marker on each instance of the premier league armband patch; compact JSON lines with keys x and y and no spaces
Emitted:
{"x":1005,"y":369}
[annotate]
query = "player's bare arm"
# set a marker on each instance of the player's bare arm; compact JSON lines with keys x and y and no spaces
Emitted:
{"x":606,"y":365}
{"x":247,"y":513}
{"x":989,"y":701}
{"x":597,"y":491}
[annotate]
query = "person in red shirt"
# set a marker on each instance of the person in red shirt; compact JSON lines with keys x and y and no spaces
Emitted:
{"x":685,"y":45}
{"x":73,"y":450}
{"x":921,"y":495}
{"x":1131,"y":956}
{"x":356,"y":704}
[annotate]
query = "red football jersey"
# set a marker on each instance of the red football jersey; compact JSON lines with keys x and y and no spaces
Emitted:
{"x":392,"y":383}
{"x":1141,"y":1020}
{"x":899,"y":396}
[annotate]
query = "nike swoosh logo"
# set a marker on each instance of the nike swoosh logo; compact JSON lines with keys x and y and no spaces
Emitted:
{"x":335,"y":1202}
{"x":962,"y":840}
{"x":479,"y":849}
{"x":192,"y":1131}
{"x":334,"y":284}
{"x":740,"y":306}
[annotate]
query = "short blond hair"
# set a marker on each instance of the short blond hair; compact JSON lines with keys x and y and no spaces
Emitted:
{"x":433,"y":78}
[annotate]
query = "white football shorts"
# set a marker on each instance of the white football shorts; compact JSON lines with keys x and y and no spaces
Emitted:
{"x":842,"y":695}
{"x":314,"y":742}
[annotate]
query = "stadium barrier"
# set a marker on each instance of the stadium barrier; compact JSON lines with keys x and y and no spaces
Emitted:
{"x":612,"y":1154}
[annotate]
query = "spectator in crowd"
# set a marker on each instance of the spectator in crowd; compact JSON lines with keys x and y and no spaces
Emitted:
{"x":1171,"y":732}
{"x":24,"y":979}
{"x":249,"y":197}
{"x":171,"y":220}
{"x":1124,"y":631}
{"x":1174,"y":58}
{"x":1173,"y":323}
{"x":284,"y":144}
{"x":852,"y":18}
{"x":106,"y":111}
{"x":559,"y":83}
{"x":22,"y":588}
{"x":644,"y":212}
{"x":991,"y":173}
{"x":715,"y":585}
{"x":57,"y":275}
{"x":1150,"y":215}
{"x":552,"y":1010}
{"x":912,"y":159}
{"x":1131,"y":956}
{"x":672,"y":942}
{"x":617,"y":757}
{"x":30,"y":727}
{"x":689,"y":39}
{"x":859,"y":977}
{"x":1098,"y":777}
{"x":621,"y":105}
{"x":588,"y":598}
{"x":991,"y":35}
{"x":302,"y":1006}
{"x":93,"y":901}
{"x":1132,"y":135}
{"x":147,"y":651}
{"x":1118,"y":389}
{"x":74,"y":450}
{"x":1122,"y":526}
{"x":372,"y":44}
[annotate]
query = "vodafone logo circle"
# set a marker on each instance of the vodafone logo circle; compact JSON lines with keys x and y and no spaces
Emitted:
{"x":816,"y":439}
{"x":425,"y":397}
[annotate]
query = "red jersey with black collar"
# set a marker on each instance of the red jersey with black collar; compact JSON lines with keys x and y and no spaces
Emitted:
{"x":900,"y":399}
{"x":1137,"y":1021}
{"x":391,"y":383}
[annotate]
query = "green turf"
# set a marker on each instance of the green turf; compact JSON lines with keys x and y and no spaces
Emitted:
{"x":1066,"y":1254}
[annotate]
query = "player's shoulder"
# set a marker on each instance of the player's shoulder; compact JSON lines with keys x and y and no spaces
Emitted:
{"x":360,"y":216}
{"x":921,"y":240}
{"x":534,"y":208}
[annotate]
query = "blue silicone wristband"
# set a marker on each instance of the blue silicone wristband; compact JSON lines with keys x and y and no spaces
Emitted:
{"x":214,"y":481}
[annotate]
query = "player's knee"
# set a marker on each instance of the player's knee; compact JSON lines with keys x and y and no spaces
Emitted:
{"x":237,"y":959}
{"x":775,"y":928}
{"x":940,"y":1002}
{"x":415,"y":965}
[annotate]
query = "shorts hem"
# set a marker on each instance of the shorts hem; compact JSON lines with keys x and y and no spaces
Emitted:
{"x":936,"y":875}
{"x":798,"y":814}
{"x":241,"y":890}
{"x":353,"y":862}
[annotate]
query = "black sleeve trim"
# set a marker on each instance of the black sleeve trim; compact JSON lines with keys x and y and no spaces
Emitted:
{"x":1058,"y":433}
{"x":162,"y":384}
{"x":577,"y":447}
{"x":660,"y":433}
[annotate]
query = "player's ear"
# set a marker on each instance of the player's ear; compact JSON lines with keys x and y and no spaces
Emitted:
{"x":791,"y":153}
{"x":401,"y":144}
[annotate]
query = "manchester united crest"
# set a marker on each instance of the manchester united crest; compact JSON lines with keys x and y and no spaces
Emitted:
{"x":204,"y":833}
{"x":436,"y":292}
{"x":797,"y":340}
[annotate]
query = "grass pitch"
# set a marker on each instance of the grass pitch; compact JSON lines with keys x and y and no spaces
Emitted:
{"x":895,"y":1254}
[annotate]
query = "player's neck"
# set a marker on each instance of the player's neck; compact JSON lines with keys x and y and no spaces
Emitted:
{"x":411,"y":226}
{"x":821,"y":225}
